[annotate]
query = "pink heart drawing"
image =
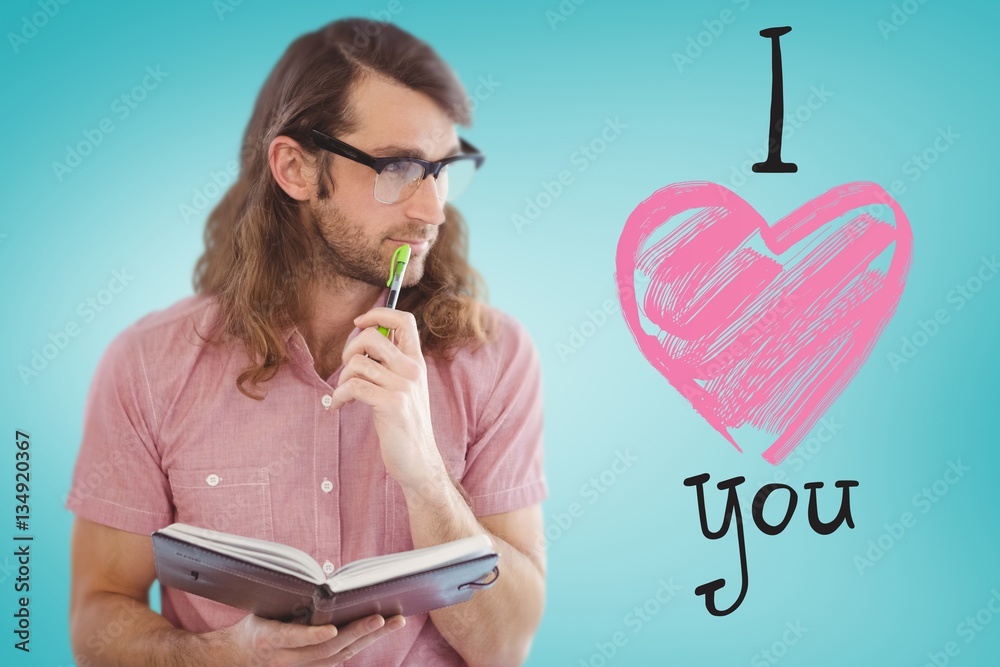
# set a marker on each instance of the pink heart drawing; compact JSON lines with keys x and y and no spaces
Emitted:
{"x":759,"y":344}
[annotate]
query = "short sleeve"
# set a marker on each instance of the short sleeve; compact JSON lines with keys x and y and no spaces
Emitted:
{"x":117,"y":479}
{"x":504,"y":464}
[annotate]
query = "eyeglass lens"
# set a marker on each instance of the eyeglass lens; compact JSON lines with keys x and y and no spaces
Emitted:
{"x":399,"y":180}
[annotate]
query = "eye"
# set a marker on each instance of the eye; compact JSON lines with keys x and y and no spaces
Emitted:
{"x":397,"y":168}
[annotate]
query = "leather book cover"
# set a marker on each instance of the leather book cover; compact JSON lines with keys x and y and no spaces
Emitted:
{"x":283,"y":597}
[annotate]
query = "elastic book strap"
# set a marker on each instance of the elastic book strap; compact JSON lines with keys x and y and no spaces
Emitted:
{"x":482,"y":585}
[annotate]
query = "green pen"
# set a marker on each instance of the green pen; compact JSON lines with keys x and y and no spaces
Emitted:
{"x":400,"y":258}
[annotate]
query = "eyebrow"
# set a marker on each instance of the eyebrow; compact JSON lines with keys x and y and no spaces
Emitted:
{"x":396,"y":150}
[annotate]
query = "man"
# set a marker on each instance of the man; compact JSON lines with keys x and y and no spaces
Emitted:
{"x":269,"y":405}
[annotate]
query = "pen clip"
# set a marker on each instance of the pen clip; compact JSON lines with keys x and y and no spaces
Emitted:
{"x":400,"y":259}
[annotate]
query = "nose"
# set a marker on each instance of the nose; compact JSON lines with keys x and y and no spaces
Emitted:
{"x":424,"y":204}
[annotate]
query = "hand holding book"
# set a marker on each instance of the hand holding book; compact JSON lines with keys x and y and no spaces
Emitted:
{"x":259,"y":641}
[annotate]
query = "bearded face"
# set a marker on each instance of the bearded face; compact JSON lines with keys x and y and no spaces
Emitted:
{"x":349,"y":249}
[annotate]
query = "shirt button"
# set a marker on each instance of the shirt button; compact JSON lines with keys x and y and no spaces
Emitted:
{"x":328,"y":567}
{"x":327,"y":486}
{"x":327,"y":401}
{"x":212,"y":480}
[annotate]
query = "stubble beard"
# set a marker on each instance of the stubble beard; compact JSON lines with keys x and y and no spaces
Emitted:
{"x":343,"y":256}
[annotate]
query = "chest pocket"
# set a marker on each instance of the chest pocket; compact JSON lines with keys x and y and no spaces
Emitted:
{"x":397,"y":514}
{"x":231,"y":500}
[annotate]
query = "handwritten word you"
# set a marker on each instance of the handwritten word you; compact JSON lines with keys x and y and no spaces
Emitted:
{"x":760,"y":500}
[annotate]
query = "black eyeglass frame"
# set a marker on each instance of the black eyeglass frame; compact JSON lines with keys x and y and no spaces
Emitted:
{"x":338,"y":147}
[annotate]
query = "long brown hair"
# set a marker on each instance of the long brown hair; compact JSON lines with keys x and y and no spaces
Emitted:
{"x":259,"y":255}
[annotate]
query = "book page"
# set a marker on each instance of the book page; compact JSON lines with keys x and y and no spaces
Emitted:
{"x":272,"y":555}
{"x":373,"y":570}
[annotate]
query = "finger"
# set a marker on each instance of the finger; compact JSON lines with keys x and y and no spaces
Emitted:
{"x":368,"y":369}
{"x":346,"y":636}
{"x":357,"y":389}
{"x":374,"y":344}
{"x":355,"y":647}
{"x":403,"y":322}
{"x":291,"y":635}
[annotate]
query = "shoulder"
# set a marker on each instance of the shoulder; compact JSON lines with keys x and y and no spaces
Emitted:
{"x":149,"y":360}
{"x":509,"y":344}
{"x":195,"y":310}
{"x":512,"y":343}
{"x":170,"y":328}
{"x":484,"y":379}
{"x":490,"y":373}
{"x":164,"y":342}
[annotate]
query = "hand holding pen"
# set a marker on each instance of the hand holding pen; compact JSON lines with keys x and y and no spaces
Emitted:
{"x":390,"y":376}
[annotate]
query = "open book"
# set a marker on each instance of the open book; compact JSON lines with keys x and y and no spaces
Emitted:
{"x":280,"y":582}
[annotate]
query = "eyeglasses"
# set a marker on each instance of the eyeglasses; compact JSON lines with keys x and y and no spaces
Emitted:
{"x":397,"y":178}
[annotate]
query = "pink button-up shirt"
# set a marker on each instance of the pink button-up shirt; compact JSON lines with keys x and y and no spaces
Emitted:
{"x":168,"y":437}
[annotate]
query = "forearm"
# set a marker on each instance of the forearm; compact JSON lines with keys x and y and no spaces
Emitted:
{"x":112,"y":630}
{"x":497,"y":625}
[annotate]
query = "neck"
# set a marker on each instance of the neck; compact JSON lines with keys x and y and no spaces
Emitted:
{"x":330,"y":319}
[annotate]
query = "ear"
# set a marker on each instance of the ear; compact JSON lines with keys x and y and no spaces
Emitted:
{"x":292,"y":168}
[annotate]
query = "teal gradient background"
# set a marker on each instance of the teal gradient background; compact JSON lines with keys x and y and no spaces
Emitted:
{"x":554,"y":87}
